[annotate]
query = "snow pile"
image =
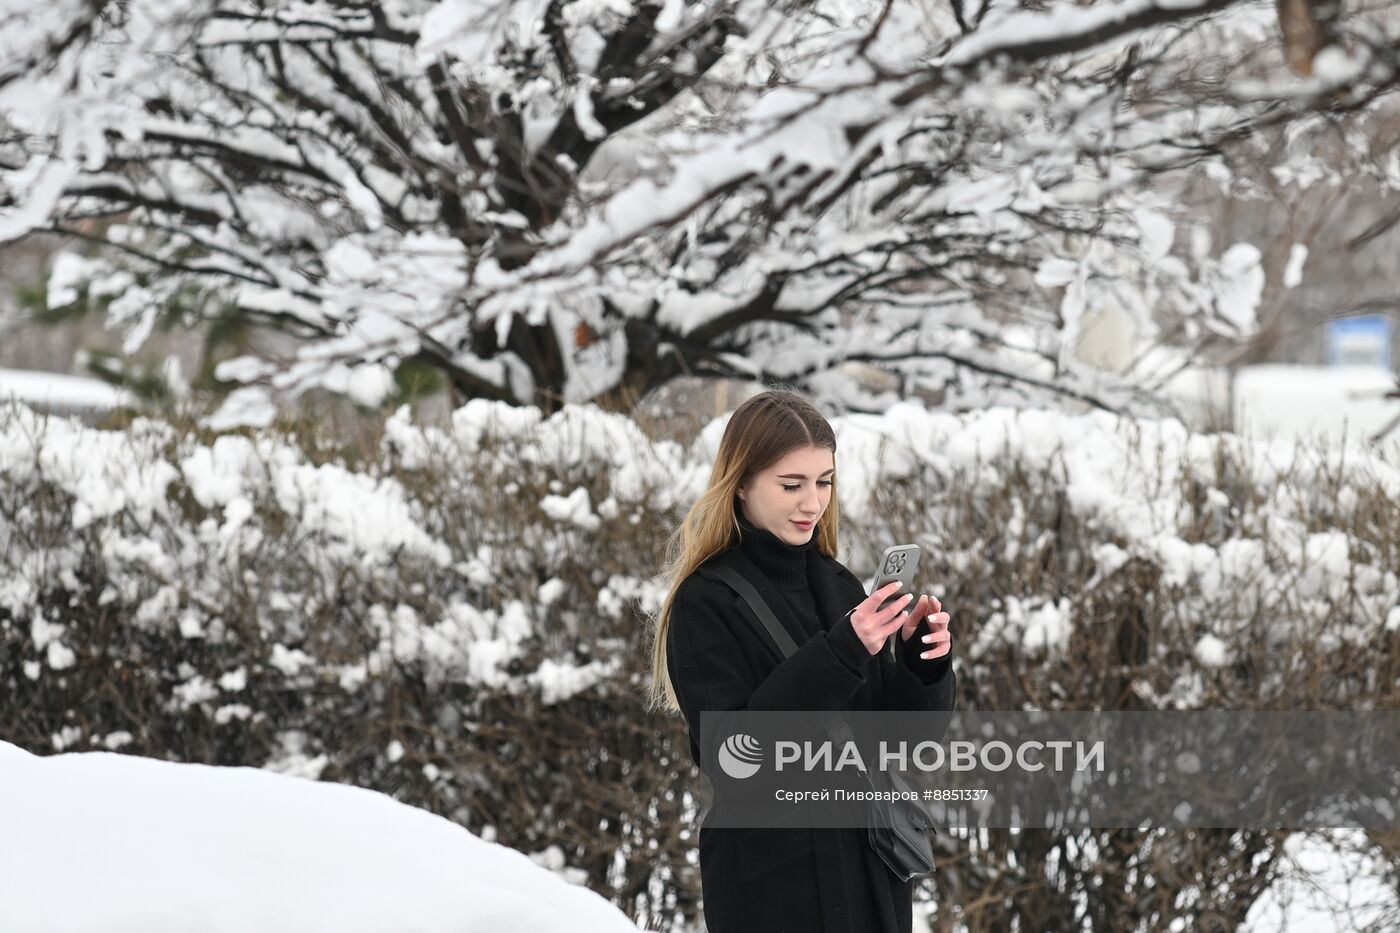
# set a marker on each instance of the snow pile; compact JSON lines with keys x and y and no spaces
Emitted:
{"x":163,"y":847}
{"x":59,"y":392}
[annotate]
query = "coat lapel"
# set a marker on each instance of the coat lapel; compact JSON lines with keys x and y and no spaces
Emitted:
{"x":835,"y":594}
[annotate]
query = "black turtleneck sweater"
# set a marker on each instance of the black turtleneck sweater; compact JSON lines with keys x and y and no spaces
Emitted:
{"x":787,"y":566}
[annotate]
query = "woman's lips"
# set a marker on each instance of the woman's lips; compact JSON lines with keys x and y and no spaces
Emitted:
{"x":803,"y":525}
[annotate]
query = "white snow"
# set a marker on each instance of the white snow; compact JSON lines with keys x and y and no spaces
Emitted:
{"x":60,"y":392}
{"x":1279,"y":402}
{"x":1286,"y":402}
{"x":557,"y":681}
{"x":1240,"y":283}
{"x":1293,"y":272}
{"x":250,"y":405}
{"x":97,"y":841}
{"x":1292,"y":401}
{"x":369,"y":385}
{"x":1329,"y":885}
{"x":1212,"y":652}
{"x":67,"y":271}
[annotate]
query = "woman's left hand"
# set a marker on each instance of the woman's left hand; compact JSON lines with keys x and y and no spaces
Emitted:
{"x":939,"y":641}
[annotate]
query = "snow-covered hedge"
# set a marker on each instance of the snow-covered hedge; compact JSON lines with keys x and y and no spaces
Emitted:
{"x":458,"y":619}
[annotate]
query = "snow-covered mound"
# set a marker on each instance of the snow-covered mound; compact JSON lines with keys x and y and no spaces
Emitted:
{"x":96,"y":841}
{"x":60,"y":392}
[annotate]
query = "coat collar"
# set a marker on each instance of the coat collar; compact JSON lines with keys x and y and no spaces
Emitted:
{"x":834,"y":595}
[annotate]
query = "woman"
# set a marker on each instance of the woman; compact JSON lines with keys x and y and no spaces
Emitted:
{"x":774,"y":471}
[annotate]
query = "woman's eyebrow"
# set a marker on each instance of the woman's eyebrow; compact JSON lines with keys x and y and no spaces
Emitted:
{"x":801,"y":475}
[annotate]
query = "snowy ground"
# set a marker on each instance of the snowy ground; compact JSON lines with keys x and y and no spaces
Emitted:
{"x":1278,"y":400}
{"x":57,"y":392}
{"x":96,"y":841}
{"x":1286,"y":402}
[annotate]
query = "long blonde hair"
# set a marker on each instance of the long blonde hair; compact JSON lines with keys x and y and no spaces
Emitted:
{"x":760,"y":432}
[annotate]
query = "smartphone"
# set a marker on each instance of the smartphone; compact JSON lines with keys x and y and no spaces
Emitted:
{"x":900,"y":562}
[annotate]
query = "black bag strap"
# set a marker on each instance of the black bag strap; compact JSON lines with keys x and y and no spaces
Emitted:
{"x":760,"y":608}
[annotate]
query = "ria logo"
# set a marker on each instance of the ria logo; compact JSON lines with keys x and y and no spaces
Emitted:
{"x":740,"y":756}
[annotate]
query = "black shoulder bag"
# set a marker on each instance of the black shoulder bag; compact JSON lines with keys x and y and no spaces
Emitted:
{"x":898,"y":828}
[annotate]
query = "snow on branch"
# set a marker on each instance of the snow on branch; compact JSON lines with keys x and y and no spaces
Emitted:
{"x":583,"y":201}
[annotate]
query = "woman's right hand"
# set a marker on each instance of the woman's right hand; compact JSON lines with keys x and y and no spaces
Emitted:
{"x":875,"y":626}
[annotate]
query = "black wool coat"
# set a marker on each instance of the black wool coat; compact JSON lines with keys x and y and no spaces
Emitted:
{"x":807,"y":879}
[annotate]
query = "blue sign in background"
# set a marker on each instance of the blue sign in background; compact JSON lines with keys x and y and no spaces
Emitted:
{"x":1364,"y":340}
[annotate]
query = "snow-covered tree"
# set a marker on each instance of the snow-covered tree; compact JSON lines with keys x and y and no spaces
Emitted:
{"x":562,"y":201}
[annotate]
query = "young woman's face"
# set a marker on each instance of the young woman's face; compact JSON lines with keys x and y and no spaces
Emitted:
{"x":796,"y":488}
